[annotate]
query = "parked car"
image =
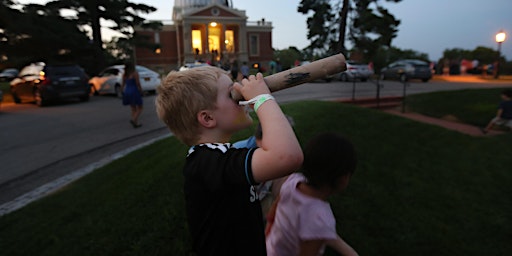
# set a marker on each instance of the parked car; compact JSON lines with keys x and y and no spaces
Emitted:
{"x":44,"y":83}
{"x":356,"y":70}
{"x":407,"y":69}
{"x":109,"y":80}
{"x":8,"y":74}
{"x":1,"y":96}
{"x":193,"y":65}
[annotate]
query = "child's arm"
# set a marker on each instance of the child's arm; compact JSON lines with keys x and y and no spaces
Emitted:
{"x":280,"y":153}
{"x":271,"y":216}
{"x":341,"y":247}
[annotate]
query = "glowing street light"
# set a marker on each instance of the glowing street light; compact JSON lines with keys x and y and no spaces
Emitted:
{"x":500,"y":38}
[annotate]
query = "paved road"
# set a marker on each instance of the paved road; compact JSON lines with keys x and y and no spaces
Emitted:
{"x":39,"y":145}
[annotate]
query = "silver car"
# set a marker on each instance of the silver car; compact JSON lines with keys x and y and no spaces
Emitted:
{"x":109,"y":80}
{"x":405,"y":70}
{"x":355,"y":71}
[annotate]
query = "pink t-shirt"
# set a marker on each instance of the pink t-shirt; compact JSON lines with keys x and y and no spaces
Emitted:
{"x":299,"y":217}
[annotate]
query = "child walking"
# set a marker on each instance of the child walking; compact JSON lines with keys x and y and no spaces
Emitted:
{"x":222,"y":206}
{"x":301,"y":221}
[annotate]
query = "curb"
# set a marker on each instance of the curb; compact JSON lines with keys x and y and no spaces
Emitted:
{"x":55,"y":185}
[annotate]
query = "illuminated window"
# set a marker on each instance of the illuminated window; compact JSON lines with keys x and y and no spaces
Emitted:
{"x":230,"y":41}
{"x":254,"y":46}
{"x":197,"y":42}
{"x":214,"y":33}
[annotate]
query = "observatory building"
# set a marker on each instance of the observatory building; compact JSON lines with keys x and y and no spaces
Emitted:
{"x":211,"y":31}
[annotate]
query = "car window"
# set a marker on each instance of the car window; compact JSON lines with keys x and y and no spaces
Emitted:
{"x":142,"y":69}
{"x":110,"y":72}
{"x":31,"y":70}
{"x":63,"y":70}
{"x":418,"y":63}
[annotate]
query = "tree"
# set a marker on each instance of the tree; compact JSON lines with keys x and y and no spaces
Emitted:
{"x":318,"y":25}
{"x":42,"y":25}
{"x":123,"y":14}
{"x":35,"y":34}
{"x":371,"y":27}
{"x":342,"y":21}
{"x":288,"y":56}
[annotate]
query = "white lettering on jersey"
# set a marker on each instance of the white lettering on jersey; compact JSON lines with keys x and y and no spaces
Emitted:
{"x":254,"y":195}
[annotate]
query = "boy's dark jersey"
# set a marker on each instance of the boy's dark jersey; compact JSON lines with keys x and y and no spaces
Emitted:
{"x":223,"y":210}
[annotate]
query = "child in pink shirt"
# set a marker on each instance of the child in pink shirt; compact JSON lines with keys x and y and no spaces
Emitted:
{"x":301,"y":221}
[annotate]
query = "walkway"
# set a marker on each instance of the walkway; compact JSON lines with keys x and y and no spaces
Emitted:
{"x":393,"y":105}
{"x":451,"y":125}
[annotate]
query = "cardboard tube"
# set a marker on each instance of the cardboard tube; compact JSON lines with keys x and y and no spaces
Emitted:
{"x":302,"y":74}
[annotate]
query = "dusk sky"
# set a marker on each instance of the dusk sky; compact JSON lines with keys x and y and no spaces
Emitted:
{"x":426,"y":26}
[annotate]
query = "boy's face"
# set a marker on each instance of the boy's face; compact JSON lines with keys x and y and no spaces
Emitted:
{"x":230,"y":116}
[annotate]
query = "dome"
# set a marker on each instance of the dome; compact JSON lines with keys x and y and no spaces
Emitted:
{"x":184,"y":4}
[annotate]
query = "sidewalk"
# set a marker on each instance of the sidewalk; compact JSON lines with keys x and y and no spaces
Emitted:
{"x":392,"y":105}
{"x":472,"y":78}
{"x":451,"y":125}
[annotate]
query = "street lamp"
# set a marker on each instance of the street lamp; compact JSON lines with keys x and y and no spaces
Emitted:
{"x":500,"y":38}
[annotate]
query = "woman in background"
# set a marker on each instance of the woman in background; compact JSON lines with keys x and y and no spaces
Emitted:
{"x":132,"y":93}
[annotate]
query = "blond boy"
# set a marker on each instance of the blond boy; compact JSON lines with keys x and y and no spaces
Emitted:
{"x":223,"y":210}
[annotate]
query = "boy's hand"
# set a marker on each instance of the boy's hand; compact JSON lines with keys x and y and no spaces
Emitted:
{"x":252,"y":86}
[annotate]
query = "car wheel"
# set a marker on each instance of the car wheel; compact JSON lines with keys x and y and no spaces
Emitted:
{"x":84,"y":97}
{"x":403,"y":78}
{"x":344,"y":77}
{"x":15,"y":98}
{"x":364,"y":79}
{"x":118,"y":91}
{"x":94,"y":91}
{"x":40,"y":101}
{"x":425,"y":80}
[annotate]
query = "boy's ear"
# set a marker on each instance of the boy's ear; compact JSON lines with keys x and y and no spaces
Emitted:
{"x":206,"y":119}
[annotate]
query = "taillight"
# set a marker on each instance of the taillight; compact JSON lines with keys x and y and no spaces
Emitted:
{"x":43,"y":79}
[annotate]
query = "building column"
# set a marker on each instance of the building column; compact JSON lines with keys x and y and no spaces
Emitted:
{"x":187,"y":43}
{"x":242,"y":39}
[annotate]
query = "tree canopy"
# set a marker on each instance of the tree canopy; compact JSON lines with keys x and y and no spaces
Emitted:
{"x":35,"y":32}
{"x":371,"y":26}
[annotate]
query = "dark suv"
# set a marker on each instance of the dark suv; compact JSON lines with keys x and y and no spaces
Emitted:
{"x":44,"y":83}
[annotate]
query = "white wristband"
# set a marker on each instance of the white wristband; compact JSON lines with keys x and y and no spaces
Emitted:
{"x":257,"y":101}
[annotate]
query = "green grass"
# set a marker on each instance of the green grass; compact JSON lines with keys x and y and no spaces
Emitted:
{"x":418,"y":190}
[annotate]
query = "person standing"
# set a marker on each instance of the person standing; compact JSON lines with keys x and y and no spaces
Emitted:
{"x":132,"y":93}
{"x":244,"y":69}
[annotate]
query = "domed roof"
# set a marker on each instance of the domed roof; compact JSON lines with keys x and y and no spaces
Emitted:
{"x":184,"y":4}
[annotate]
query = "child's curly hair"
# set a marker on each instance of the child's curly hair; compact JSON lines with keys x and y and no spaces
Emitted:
{"x":327,"y":157}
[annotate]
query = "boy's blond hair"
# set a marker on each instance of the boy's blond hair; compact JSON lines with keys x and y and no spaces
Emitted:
{"x":182,"y":95}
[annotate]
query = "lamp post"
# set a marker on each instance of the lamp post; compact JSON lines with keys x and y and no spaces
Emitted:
{"x":500,"y":38}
